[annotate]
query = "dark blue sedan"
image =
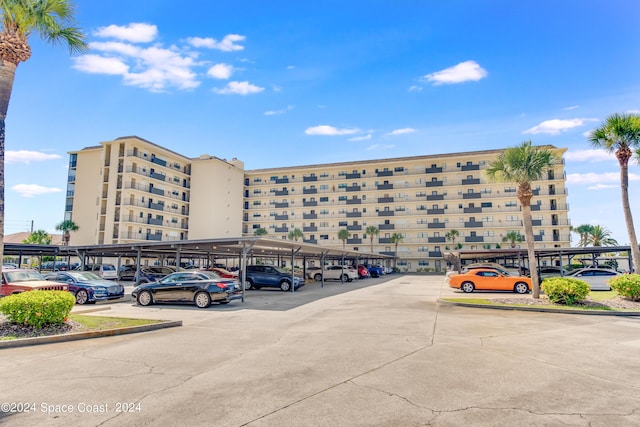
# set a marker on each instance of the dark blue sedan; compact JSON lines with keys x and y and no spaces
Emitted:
{"x":87,"y":287}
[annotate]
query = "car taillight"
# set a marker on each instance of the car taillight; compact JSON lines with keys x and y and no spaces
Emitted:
{"x":221,"y":285}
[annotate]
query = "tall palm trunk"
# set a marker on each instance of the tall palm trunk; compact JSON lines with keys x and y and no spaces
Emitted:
{"x":628,"y":218}
{"x":7,"y":75}
{"x":524,"y":195}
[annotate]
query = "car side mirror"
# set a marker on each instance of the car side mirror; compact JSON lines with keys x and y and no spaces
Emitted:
{"x":70,"y":282}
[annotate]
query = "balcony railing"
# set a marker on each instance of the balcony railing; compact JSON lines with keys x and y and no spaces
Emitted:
{"x":434,"y":183}
{"x":386,"y":213}
{"x":436,"y":225}
{"x":386,"y":227}
{"x":385,"y":187}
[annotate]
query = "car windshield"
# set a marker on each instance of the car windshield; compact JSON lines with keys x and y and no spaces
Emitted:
{"x":84,"y":275}
{"x":23,"y":276}
{"x":108,"y":267}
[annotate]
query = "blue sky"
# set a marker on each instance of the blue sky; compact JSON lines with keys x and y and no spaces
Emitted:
{"x":284,"y":83}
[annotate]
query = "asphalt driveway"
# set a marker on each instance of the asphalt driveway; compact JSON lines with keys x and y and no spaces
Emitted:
{"x":367,"y":353}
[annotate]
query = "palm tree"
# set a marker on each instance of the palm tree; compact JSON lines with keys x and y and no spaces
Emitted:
{"x":343,"y":235}
{"x":66,"y":227}
{"x":523,"y":164}
{"x":372,"y":231}
{"x":583,"y":231}
{"x":53,"y":21}
{"x":260,"y":232}
{"x":600,"y":236}
{"x":296,"y":234}
{"x":620,"y":134}
{"x":452,"y":235}
{"x":38,"y":237}
{"x":395,"y":239}
{"x":512,"y":237}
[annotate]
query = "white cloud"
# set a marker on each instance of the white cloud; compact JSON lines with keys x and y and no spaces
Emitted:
{"x":570,"y":108}
{"x":589,"y":155}
{"x":329,"y":131}
{"x":380,"y":147}
{"x":220,"y":71}
{"x":361,"y":138}
{"x":633,"y":111}
{"x":556,"y":126}
{"x":239,"y":88}
{"x":135,"y":32}
{"x":415,"y":88}
{"x":602,"y":187}
{"x":227,"y":44}
{"x":401,"y":131}
{"x":30,"y":190}
{"x":291,"y":67}
{"x":598,"y":178}
{"x":24,"y":156}
{"x":96,"y":64}
{"x":460,"y":73}
{"x":278,"y":112}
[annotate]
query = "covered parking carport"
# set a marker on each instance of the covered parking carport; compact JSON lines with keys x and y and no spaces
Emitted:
{"x":240,"y":249}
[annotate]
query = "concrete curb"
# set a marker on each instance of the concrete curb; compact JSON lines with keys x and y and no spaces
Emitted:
{"x":22,"y":342}
{"x":541,"y":310}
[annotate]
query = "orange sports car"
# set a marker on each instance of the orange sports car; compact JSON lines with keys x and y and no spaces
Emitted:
{"x":489,"y":279}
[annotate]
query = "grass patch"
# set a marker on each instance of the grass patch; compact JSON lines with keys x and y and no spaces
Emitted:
{"x":101,"y":323}
{"x":480,"y":301}
{"x":602,"y":295}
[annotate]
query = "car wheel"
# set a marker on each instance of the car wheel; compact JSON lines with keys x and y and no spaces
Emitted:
{"x":202,"y":299}
{"x":145,"y":298}
{"x":467,"y":287}
{"x":521,"y":288}
{"x":82,"y":297}
{"x":285,"y":286}
{"x":317,"y":277}
{"x":345,"y":278}
{"x":248,"y":284}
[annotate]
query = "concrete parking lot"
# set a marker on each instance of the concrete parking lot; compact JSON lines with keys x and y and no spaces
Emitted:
{"x":369,"y":353}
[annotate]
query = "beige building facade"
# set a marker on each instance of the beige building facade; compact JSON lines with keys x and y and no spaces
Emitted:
{"x":131,"y":190}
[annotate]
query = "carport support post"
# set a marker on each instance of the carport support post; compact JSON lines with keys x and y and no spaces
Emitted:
{"x":322,"y":268}
{"x":178,"y":258}
{"x":137,"y":275}
{"x":342,"y":270}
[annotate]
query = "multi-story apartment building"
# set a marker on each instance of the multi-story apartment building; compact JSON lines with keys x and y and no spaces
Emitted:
{"x":145,"y":192}
{"x":131,"y":190}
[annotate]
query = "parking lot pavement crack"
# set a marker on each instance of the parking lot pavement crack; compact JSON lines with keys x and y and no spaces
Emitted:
{"x":536,"y":413}
{"x":391,"y":394}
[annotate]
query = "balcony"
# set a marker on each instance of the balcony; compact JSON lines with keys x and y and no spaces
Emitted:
{"x":385,"y":187}
{"x":433,"y":254}
{"x":473,"y":224}
{"x":386,"y":227}
{"x":475,"y":209}
{"x":354,"y":201}
{"x":354,"y":227}
{"x":158,"y":161}
{"x":384,"y":173}
{"x":472,"y":195}
{"x":154,"y":221}
{"x":433,"y":170}
{"x":438,"y":239}
{"x":309,"y":191}
{"x":537,"y":238}
{"x":309,"y":178}
{"x":309,"y":216}
{"x":353,"y":175}
{"x":281,"y":192}
{"x":354,"y":188}
{"x":435,"y":197}
{"x":157,"y":191}
{"x":309,"y":228}
{"x":434,"y":184}
{"x":474,"y":239}
{"x":282,"y":229}
{"x":435,"y":211}
{"x":310,"y":203}
{"x":282,"y":180}
{"x":536,"y":222}
{"x":156,"y":237}
{"x":436,"y":225}
{"x":354,"y":241}
{"x":385,"y":199}
{"x":156,"y":206}
{"x":471,"y":181}
{"x":384,"y":240}
{"x":535,"y":207}
{"x":470,"y":168}
{"x":158,"y":176}
{"x":280,"y":205}
{"x":281,"y":217}
{"x":386,"y":213}
{"x":389,"y":253}
{"x":313,"y":241}
{"x":354,"y":214}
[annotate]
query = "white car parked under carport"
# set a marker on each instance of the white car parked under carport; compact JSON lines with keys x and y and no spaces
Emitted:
{"x":336,"y":272}
{"x":597,"y":278}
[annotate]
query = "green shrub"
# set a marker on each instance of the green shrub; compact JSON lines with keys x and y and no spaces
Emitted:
{"x":38,"y":308}
{"x":565,"y":290}
{"x":627,"y":285}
